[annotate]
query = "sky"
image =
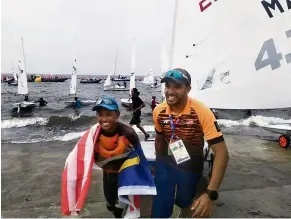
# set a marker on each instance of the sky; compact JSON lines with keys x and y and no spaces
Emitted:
{"x":57,"y":31}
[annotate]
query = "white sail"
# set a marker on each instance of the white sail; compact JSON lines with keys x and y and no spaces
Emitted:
{"x":253,"y":51}
{"x":149,"y":78}
{"x":14,"y":75}
{"x":259,"y":63}
{"x":132,"y":70}
{"x":107,"y":82}
{"x":22,"y":77}
{"x":73,"y":86}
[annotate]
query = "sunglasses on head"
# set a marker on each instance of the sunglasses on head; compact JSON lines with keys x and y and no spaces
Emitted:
{"x":106,"y":101}
{"x":175,"y":74}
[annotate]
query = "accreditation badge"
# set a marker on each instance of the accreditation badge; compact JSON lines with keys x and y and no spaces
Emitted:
{"x":179,"y":151}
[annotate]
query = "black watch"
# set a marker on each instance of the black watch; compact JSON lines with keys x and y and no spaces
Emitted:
{"x":213,"y":195}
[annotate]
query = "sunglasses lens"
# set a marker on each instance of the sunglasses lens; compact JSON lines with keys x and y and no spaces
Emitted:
{"x":176,"y":74}
{"x":106,"y":101}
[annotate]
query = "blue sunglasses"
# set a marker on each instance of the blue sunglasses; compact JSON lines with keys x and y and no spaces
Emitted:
{"x":175,"y":74}
{"x":106,"y":101}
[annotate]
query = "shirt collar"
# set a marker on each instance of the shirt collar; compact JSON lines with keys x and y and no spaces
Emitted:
{"x":186,"y":110}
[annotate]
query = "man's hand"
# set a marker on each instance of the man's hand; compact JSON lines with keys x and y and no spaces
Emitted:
{"x":202,"y":207}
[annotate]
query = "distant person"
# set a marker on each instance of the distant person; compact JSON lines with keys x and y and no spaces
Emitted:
{"x":154,"y":103}
{"x":124,"y":84}
{"x":249,"y":113}
{"x":26,"y":98}
{"x":77,"y":103}
{"x":137,"y":105}
{"x":42,"y":102}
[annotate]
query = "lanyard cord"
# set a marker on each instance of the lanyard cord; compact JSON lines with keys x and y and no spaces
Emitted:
{"x":173,"y":125}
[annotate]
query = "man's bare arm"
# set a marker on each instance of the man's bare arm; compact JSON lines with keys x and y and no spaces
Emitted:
{"x":219,"y":166}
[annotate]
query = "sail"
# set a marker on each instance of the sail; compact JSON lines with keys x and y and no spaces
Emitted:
{"x":149,"y":78}
{"x":14,"y":75}
{"x":107,"y":82}
{"x":22,"y":77}
{"x":258,"y":55}
{"x":73,"y":86}
{"x":251,"y":56}
{"x":132,"y":71}
{"x":192,"y":41}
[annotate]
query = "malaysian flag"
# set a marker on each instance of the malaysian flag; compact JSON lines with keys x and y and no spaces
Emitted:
{"x":134,"y":177}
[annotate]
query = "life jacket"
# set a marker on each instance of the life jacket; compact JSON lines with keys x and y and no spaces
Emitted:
{"x":111,"y":152}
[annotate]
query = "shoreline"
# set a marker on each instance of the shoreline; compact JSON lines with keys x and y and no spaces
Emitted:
{"x":257,"y":181}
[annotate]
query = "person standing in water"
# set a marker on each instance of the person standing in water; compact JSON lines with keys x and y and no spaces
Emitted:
{"x":77,"y":105}
{"x":42,"y":102}
{"x":137,"y":105}
{"x":26,"y":98}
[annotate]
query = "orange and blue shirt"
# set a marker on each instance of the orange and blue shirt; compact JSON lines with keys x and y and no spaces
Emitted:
{"x":193,"y":125}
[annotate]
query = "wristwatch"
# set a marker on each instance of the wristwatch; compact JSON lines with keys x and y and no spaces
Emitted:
{"x":213,"y":195}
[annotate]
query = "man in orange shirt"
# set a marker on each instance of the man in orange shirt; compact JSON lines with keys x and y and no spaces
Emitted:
{"x":181,"y":125}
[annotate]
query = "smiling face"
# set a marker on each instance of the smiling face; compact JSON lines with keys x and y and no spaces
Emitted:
{"x":176,"y":93}
{"x":107,"y":119}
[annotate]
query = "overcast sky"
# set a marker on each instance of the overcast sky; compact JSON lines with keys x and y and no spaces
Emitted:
{"x":99,"y":28}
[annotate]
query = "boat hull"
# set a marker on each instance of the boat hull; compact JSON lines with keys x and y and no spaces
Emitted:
{"x":90,"y":81}
{"x":53,"y":80}
{"x":83,"y":103}
{"x":283,"y":129}
{"x":22,"y":109}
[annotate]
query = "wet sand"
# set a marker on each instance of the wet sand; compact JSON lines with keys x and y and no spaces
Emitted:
{"x":257,"y":181}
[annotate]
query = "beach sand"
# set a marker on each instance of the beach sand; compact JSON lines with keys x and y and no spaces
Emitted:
{"x":257,"y":182}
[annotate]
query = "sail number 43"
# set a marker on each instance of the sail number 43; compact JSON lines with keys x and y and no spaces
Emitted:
{"x":273,"y":57}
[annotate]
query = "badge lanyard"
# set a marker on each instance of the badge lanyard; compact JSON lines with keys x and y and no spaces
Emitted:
{"x":173,"y":126}
{"x":177,"y":148}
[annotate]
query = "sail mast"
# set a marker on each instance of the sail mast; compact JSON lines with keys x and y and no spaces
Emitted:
{"x":22,"y":77}
{"x":173,"y":33}
{"x":116,"y":61}
{"x":23,"y":53}
{"x":132,"y":70}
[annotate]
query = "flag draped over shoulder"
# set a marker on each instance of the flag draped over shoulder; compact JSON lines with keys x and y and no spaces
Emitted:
{"x":134,"y":177}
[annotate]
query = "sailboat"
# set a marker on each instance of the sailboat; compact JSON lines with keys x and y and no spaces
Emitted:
{"x":119,"y":78}
{"x":258,"y":64}
{"x":24,"y":106}
{"x":149,"y":78}
{"x":15,"y":82}
{"x":109,"y":85}
{"x":127,"y":102}
{"x":73,"y":89}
